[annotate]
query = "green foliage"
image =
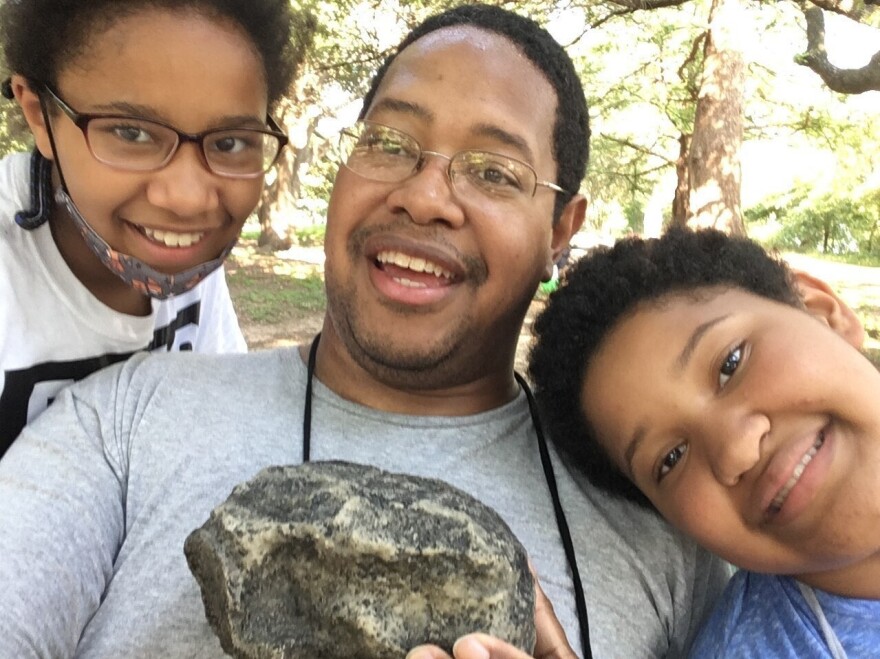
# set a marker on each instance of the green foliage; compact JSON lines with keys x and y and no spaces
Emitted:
{"x":310,"y":236}
{"x":14,"y":133}
{"x":634,"y":212}
{"x":830,"y":224}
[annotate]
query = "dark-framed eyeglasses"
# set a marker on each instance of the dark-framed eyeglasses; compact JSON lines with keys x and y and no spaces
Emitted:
{"x":381,"y":153}
{"x":143,"y":145}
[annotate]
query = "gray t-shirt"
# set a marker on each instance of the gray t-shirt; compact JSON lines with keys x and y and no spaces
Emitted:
{"x":100,"y":492}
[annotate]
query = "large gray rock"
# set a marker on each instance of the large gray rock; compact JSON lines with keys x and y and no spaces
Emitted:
{"x":334,"y":560}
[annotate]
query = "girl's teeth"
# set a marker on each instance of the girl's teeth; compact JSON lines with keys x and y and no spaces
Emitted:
{"x":172,"y":238}
{"x":779,"y":499}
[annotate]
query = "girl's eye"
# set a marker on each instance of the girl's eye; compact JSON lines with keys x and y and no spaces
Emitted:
{"x":233,"y":145}
{"x":132,"y":134}
{"x":729,"y":365}
{"x":670,"y":460}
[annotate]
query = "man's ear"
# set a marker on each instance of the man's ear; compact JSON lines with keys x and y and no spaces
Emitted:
{"x":570,"y":222}
{"x":29,"y":101}
{"x":823,"y":303}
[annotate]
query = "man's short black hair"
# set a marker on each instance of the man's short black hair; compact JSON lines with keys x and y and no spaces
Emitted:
{"x":571,"y":130}
{"x":603,"y":288}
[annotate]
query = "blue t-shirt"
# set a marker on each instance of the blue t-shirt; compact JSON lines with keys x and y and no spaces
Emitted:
{"x":761,"y":615}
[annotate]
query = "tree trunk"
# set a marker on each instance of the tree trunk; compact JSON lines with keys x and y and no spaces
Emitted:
{"x":277,"y":210}
{"x":714,"y":159}
{"x":681,"y":202}
{"x":274,"y":238}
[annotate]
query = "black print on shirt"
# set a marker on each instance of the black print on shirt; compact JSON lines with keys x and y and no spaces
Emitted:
{"x":22,"y":385}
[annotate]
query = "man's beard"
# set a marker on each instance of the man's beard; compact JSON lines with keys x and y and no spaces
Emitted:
{"x":418,"y":368}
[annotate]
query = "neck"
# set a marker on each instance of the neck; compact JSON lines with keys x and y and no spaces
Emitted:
{"x":338,"y":370}
{"x":859,"y":580}
{"x":89,"y":269}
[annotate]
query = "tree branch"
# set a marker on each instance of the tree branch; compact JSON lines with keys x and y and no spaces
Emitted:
{"x":637,"y":5}
{"x":845,"y":81}
{"x":849,"y":8}
{"x":631,"y":6}
{"x":636,"y":147}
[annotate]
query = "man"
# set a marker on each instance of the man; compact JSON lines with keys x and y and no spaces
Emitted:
{"x":457,"y":195}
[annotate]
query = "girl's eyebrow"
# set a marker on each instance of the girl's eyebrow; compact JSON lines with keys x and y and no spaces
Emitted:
{"x":631,"y":448}
{"x":694,"y":340}
{"x":681,"y":362}
{"x":148,"y":113}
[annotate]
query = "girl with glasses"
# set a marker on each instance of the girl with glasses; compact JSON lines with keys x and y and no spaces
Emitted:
{"x":152,"y":131}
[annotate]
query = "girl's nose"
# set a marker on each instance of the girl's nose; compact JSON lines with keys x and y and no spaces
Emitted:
{"x":185,"y":186}
{"x":736,"y":446}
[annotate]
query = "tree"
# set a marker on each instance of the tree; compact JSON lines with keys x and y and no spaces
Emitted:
{"x":707,"y":161}
{"x":713,"y":159}
{"x":846,"y":81}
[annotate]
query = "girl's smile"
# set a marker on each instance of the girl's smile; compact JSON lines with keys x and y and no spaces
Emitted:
{"x":182,"y":214}
{"x":752,"y":425}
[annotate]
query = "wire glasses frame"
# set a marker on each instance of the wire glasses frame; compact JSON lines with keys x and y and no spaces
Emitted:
{"x":137,"y":144}
{"x":382,"y":153}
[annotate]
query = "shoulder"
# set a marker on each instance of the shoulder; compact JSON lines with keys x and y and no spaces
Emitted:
{"x":228,"y":379}
{"x":14,"y":188}
{"x":644,"y":570}
{"x":204,"y":318}
{"x":757,"y":613}
{"x":634,"y":528}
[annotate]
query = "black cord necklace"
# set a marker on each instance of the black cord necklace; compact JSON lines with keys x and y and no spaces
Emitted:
{"x":549,"y":476}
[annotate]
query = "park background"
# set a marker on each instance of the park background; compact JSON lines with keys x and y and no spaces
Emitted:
{"x":754,"y":116}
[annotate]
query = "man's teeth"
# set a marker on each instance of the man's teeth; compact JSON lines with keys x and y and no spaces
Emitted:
{"x":172,"y":238}
{"x":410,"y":282}
{"x":414,"y":263}
{"x":779,"y":499}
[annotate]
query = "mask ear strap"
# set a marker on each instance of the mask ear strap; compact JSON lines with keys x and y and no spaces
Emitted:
{"x":41,"y":194}
{"x":51,"y":134}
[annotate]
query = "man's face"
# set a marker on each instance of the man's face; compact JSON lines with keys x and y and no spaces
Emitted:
{"x":428,"y":284}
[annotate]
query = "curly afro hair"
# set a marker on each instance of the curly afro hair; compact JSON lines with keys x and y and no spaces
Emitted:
{"x":41,"y":36}
{"x":606,"y":286}
{"x":571,"y":130}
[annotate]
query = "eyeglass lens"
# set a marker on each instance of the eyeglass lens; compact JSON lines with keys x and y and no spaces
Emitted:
{"x":385,"y":154}
{"x":139,"y":144}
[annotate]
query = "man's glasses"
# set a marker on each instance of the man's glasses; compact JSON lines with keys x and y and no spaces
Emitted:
{"x":145,"y":145}
{"x":381,"y":153}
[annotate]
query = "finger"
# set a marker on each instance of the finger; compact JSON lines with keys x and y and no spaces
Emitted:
{"x":427,"y":652}
{"x":552,"y":642}
{"x":482,"y":646}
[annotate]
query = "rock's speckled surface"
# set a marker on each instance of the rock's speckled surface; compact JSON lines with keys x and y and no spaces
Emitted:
{"x":341,"y":561}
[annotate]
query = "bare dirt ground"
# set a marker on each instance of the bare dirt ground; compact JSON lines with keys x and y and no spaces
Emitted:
{"x":271,"y":314}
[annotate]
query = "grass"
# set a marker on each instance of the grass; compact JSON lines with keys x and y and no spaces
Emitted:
{"x":271,"y":300}
{"x":268,"y":290}
{"x":871,"y":259}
